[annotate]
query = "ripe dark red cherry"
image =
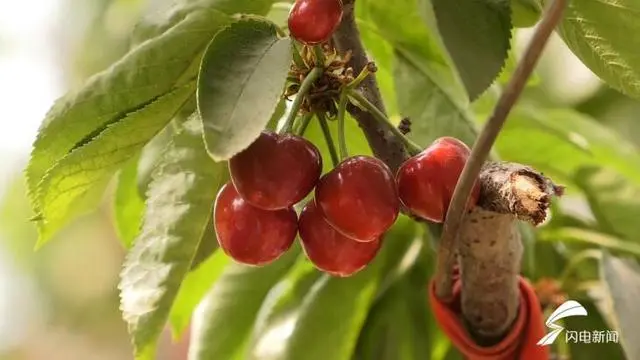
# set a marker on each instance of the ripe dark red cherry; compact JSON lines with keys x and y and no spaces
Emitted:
{"x":427,"y":180}
{"x":250,"y":235}
{"x":314,"y":21}
{"x":329,"y":250}
{"x":276,"y":171}
{"x":359,"y":198}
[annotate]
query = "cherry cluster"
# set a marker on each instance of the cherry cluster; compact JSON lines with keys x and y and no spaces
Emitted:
{"x":355,"y":203}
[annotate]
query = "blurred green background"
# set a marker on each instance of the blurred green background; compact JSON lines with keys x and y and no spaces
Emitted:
{"x":62,"y":302}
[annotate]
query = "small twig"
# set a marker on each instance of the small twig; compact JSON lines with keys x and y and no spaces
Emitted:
{"x":329,"y":139}
{"x":342,"y":109}
{"x":482,"y":147}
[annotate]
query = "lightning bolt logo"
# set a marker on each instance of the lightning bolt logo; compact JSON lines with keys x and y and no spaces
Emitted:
{"x":567,"y":309}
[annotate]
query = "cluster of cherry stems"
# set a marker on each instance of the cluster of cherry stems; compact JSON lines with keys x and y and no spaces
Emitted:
{"x":355,"y":203}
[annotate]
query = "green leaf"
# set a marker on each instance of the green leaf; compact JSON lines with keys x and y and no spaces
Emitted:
{"x":128,"y":204}
{"x":330,"y":315}
{"x":179,"y":203}
{"x":209,"y":242}
{"x":279,"y":311}
{"x":565,"y":141}
{"x":223,"y":322}
{"x":614,"y":201}
{"x":427,"y":87}
{"x":433,"y":112}
{"x":525,"y":13}
{"x":150,"y":156}
{"x":398,"y":326}
{"x":381,"y":52}
{"x":477,"y":36}
{"x":279,"y":13}
{"x":579,"y":235}
{"x":622,"y":278}
{"x":92,"y":164}
{"x":241,"y":80}
{"x":167,"y":14}
{"x":598,"y":32}
{"x":193,"y":289}
{"x":147,"y":72}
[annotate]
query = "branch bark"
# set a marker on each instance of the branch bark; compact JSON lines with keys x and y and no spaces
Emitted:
{"x":490,"y":248}
{"x":383,"y":142}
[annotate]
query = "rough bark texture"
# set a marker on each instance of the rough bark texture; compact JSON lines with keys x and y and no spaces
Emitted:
{"x":490,"y":252}
{"x":383,"y":143}
{"x":489,"y":246}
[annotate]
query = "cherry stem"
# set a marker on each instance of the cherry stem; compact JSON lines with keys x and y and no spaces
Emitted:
{"x":342,"y":109}
{"x":327,"y":136}
{"x":297,"y":102}
{"x":480,"y":151}
{"x":304,"y":123}
{"x":411,"y":147}
{"x":319,"y":53}
{"x":297,"y":58}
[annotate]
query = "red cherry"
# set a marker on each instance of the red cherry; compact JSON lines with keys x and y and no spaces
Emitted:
{"x":250,"y":235}
{"x":427,"y":180}
{"x":329,"y":250}
{"x":359,"y":198}
{"x":314,"y":21}
{"x":276,"y":171}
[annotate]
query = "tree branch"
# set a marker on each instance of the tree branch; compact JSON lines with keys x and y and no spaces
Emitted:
{"x":490,"y":250}
{"x":384,"y":143}
{"x":480,"y":151}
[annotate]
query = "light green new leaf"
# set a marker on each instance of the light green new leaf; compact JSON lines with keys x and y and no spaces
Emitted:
{"x":622,"y":278}
{"x":601,"y":33}
{"x":193,"y":289}
{"x":223,"y":322}
{"x":427,"y":87}
{"x":477,"y":36}
{"x":179,"y":203}
{"x":92,"y":164}
{"x":147,"y":72}
{"x":241,"y":80}
{"x":128,"y":205}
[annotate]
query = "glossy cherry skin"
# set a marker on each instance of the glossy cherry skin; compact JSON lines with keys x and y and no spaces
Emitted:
{"x":359,"y":198}
{"x":276,"y":171}
{"x":250,"y":235}
{"x":329,"y":250}
{"x":314,"y":21}
{"x":426,"y":181}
